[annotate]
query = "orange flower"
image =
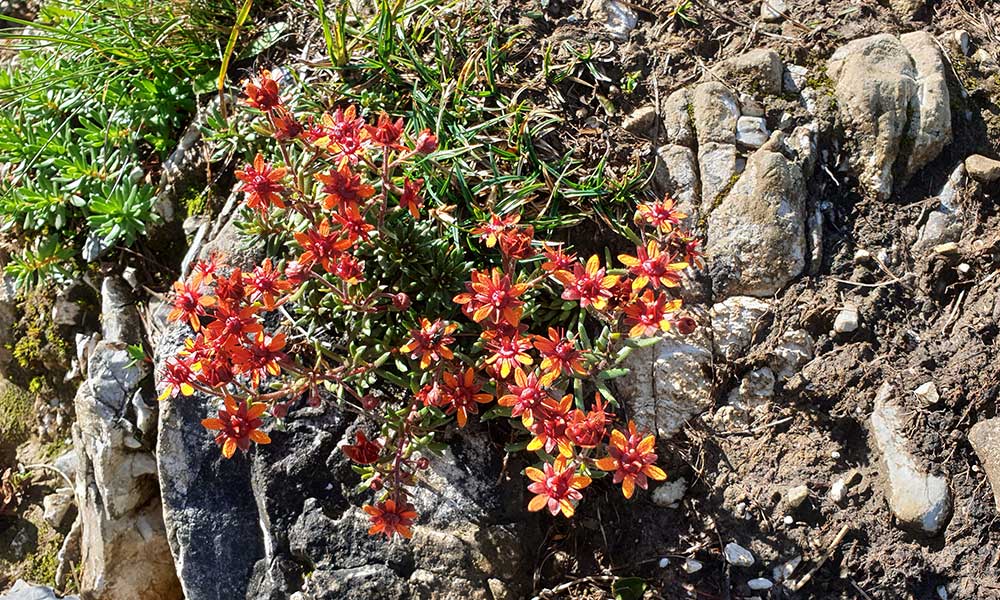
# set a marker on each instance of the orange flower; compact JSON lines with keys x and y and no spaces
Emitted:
{"x":557,"y":260}
{"x":343,"y":187}
{"x":550,"y":424}
{"x":460,"y":395}
{"x":178,"y":377}
{"x":557,"y":488}
{"x":261,"y":357}
{"x":587,"y":284}
{"x":586,"y":430}
{"x":631,"y":458}
{"x":321,"y":245}
{"x":492,"y":296}
{"x":265,"y":283}
{"x":238,"y":425}
{"x":262,"y":93}
{"x":286,"y":127}
{"x":262,"y":184}
{"x":663,"y":215}
{"x":490,"y":230}
{"x":515,"y":243}
{"x":507,"y":354}
{"x":352,"y":221}
{"x":524,"y":397}
{"x":430,"y":342}
{"x":650,"y":264}
{"x":391,"y":517}
{"x":559,"y":356}
{"x":386,"y":132}
{"x":410,"y":198}
{"x":363,"y":451}
{"x":189,"y":303}
{"x":648,"y":314}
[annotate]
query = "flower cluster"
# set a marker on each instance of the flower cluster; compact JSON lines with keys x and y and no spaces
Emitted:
{"x":341,"y":192}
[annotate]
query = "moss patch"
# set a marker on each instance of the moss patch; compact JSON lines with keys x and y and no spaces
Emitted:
{"x":15,"y":414}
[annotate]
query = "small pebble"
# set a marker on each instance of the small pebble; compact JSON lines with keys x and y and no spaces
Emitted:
{"x":838,"y":490}
{"x":861,"y":255}
{"x":847,"y":319}
{"x":692,"y":566}
{"x":788,"y":520}
{"x":947,"y":248}
{"x":927,"y":392}
{"x":796,"y":496}
{"x":784,"y":571}
{"x":962,"y":39}
{"x":759,"y":584}
{"x":664,"y":563}
{"x":963,"y":268}
{"x":835,"y":455}
{"x":737,"y":555}
{"x":942,"y":592}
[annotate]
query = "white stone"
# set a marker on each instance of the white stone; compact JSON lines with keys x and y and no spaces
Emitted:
{"x":788,"y":519}
{"x":920,"y":500}
{"x":692,"y":566}
{"x":927,"y":392}
{"x":771,"y":10}
{"x":751,"y":132}
{"x":664,"y":563}
{"x":737,"y":555}
{"x":56,"y":506}
{"x":847,"y":319}
{"x":733,"y":322}
{"x":795,"y":350}
{"x":760,"y":583}
{"x":838,"y":491}
{"x":794,"y":78}
{"x":750,"y":106}
{"x":618,"y":18}
{"x":669,"y":493}
{"x":962,"y":39}
{"x":785,"y":570}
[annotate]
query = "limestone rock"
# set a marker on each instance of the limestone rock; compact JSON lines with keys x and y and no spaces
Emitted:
{"x":793,"y":351}
{"x":668,"y":383}
{"x":944,"y":224}
{"x":677,"y":125}
{"x":921,"y":501}
{"x":715,"y":114}
{"x":733,"y":322}
{"x":894,"y":104}
{"x":759,"y":72}
{"x":737,"y":555}
{"x":23,"y":590}
{"x":983,"y":169}
{"x":751,"y":132}
{"x":772,"y":11}
{"x":756,"y":237}
{"x":676,"y":174}
{"x":641,"y":122}
{"x":124,"y":547}
{"x":985,"y":440}
{"x":618,"y":18}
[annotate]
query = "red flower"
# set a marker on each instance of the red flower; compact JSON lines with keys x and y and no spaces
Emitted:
{"x":461,"y":395}
{"x":390,"y":518}
{"x":410,"y":199}
{"x":586,"y":430}
{"x":557,"y":487}
{"x":492,"y":297}
{"x":285,"y":125}
{"x":262,"y":184}
{"x":427,"y":142}
{"x":363,"y":451}
{"x":262,"y":357}
{"x":507,"y":353}
{"x":238,"y":425}
{"x":587,"y":284}
{"x":189,"y":303}
{"x":265,"y":283}
{"x":491,"y":230}
{"x":549,"y":427}
{"x":343,"y":187}
{"x":557,"y":260}
{"x":516,"y":243}
{"x":178,"y":377}
{"x":231,"y":291}
{"x":232,"y":326}
{"x":205,"y":269}
{"x":663,"y":215}
{"x":430,"y":342}
{"x":651,"y":265}
{"x":321,"y":245}
{"x":352,"y":221}
{"x":524,"y":397}
{"x":262,"y":93}
{"x":386,"y":132}
{"x":631,"y":458}
{"x":648,"y":314}
{"x":559,"y":356}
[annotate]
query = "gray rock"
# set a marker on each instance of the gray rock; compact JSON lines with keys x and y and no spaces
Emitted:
{"x":717,"y":166}
{"x":618,"y":18}
{"x":669,"y":493}
{"x":737,"y":555}
{"x":676,"y":114}
{"x":56,"y":506}
{"x":116,"y":486}
{"x":907,"y":9}
{"x":793,"y":351}
{"x":676,"y":174}
{"x":750,"y":106}
{"x":751,"y":132}
{"x":756,"y":237}
{"x":794,"y":78}
{"x":945,"y":223}
{"x":23,"y":590}
{"x":67,"y":464}
{"x":760,"y":583}
{"x":983,"y":169}
{"x":795,"y":496}
{"x":668,"y":383}
{"x":888,"y":88}
{"x":715,"y":113}
{"x":772,"y":11}
{"x":920,"y":501}
{"x":985,"y":440}
{"x":641,"y":122}
{"x":759,"y":72}
{"x":962,"y":40}
{"x":929,"y":129}
{"x":733,"y":323}
{"x":692,"y":566}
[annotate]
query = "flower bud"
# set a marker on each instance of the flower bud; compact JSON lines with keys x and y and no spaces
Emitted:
{"x":685,"y":325}
{"x":376,"y":483}
{"x":427,"y":142}
{"x":400,"y":301}
{"x":423,"y":463}
{"x":279,"y":410}
{"x":369,"y":402}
